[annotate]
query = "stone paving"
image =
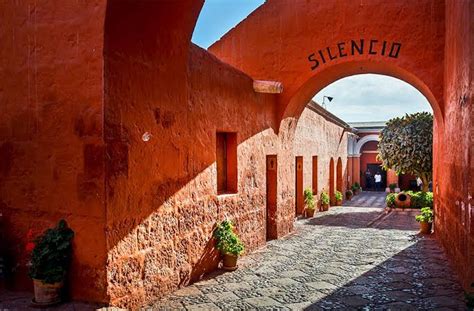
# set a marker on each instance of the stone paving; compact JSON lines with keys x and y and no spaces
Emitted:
{"x":349,"y":258}
{"x":354,"y":257}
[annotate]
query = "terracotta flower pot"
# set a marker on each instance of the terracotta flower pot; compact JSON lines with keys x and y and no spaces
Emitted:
{"x":310,"y":212}
{"x":230,"y":262}
{"x":338,"y":202}
{"x":324,"y":207}
{"x":349,"y":197}
{"x":402,"y":200}
{"x":47,"y":294}
{"x":425,"y":227}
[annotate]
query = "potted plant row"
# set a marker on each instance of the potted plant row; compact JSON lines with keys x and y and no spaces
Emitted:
{"x":309,"y":201}
{"x":338,"y":197}
{"x":49,"y":264}
{"x":229,"y":244}
{"x":425,"y":218}
{"x":324,"y":201}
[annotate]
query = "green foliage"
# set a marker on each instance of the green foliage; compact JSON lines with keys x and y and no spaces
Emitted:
{"x":349,"y":193}
{"x":309,"y":198}
{"x":338,"y":196}
{"x":426,"y":215}
{"x":324,"y":197}
{"x":420,"y":199}
{"x":392,"y":187}
{"x":390,"y":200}
{"x":406,"y":145}
{"x":355,"y":187}
{"x":52,"y":253}
{"x":227,"y":241}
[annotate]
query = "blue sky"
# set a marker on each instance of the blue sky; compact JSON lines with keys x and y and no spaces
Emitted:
{"x":366,"y":97}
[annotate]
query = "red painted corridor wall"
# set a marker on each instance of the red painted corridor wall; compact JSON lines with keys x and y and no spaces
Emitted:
{"x":109,"y":117}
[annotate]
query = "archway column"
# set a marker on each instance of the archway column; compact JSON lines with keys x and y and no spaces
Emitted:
{"x":354,"y":160}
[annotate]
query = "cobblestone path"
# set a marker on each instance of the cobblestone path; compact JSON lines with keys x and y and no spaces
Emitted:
{"x":341,"y":259}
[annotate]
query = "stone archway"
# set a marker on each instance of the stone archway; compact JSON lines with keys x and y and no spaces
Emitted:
{"x":423,"y":37}
{"x":364,"y":140}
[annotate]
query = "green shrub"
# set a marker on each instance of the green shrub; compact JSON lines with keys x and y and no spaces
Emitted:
{"x":338,"y":196}
{"x":324,"y":197}
{"x":426,"y":215}
{"x":227,"y":241}
{"x":390,"y":200}
{"x":392,"y":187}
{"x":52,"y":253}
{"x":309,"y":198}
{"x":420,"y":199}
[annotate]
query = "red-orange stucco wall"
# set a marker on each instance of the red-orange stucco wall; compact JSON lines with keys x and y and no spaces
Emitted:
{"x":454,"y":145}
{"x":143,"y":206}
{"x":51,"y":140}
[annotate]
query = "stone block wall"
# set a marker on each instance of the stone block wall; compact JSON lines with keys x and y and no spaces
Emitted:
{"x":454,"y":164}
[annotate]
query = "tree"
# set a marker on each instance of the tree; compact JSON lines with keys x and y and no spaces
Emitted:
{"x":406,"y":146}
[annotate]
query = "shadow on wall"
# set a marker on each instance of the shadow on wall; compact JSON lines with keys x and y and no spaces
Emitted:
{"x":415,"y":278}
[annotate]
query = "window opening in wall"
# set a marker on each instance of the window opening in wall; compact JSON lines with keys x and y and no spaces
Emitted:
{"x":226,"y":161}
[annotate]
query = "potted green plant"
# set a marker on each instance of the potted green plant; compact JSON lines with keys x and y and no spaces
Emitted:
{"x":309,"y":202}
{"x":356,"y":188}
{"x":425,"y":218}
{"x":50,"y":260}
{"x":338,"y":196}
{"x":390,"y":200}
{"x":392,"y":187}
{"x":349,"y":194}
{"x":402,"y":200}
{"x":324,"y":201}
{"x":229,"y":244}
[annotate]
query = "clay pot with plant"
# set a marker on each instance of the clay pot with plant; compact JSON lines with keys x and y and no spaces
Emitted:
{"x":50,"y":263}
{"x":338,"y":197}
{"x":392,"y":187}
{"x":402,"y":200}
{"x":425,"y":218}
{"x":310,"y":203}
{"x":324,"y":201}
{"x":349,"y":195}
{"x":229,"y":244}
{"x":356,"y":188}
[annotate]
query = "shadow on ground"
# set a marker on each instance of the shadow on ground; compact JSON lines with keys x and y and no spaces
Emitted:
{"x":416,"y":278}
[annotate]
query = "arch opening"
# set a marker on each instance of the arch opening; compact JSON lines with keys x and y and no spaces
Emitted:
{"x":329,"y":75}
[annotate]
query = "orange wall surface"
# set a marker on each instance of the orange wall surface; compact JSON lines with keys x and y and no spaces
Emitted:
{"x":51,"y":134}
{"x":109,"y":117}
{"x":454,"y":146}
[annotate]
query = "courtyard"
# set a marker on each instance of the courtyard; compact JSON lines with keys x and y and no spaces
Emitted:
{"x":134,"y":158}
{"x":351,"y":257}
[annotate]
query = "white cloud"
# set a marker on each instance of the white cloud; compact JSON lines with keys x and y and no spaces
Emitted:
{"x":371,"y":97}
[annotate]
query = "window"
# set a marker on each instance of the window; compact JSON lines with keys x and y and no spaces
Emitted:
{"x":315,"y":174}
{"x":226,"y":161}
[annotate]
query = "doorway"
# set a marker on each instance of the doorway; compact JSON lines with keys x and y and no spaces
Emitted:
{"x":299,"y":186}
{"x":271,"y":173}
{"x":374,"y":168}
